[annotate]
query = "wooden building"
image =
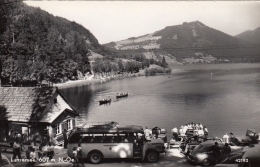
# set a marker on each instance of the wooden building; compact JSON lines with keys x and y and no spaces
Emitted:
{"x":40,"y":114}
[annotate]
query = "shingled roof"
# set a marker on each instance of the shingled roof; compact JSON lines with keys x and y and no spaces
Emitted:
{"x":27,"y":104}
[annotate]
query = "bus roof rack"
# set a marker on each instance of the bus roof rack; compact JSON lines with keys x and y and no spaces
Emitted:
{"x":99,"y":125}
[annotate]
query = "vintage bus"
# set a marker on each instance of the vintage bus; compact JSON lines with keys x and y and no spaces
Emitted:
{"x":111,"y":140}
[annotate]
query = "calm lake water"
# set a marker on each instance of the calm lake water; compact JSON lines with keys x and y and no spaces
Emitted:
{"x":225,"y":98}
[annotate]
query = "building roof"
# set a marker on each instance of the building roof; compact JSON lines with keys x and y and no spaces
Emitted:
{"x":56,"y":110}
{"x":27,"y":104}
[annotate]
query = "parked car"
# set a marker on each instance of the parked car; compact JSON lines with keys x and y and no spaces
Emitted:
{"x":250,"y":138}
{"x":201,"y":154}
{"x":188,"y":145}
{"x":251,"y":156}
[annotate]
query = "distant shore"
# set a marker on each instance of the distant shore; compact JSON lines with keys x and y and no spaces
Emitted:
{"x":95,"y":80}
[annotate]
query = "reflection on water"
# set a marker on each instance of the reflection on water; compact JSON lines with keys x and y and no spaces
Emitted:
{"x":223,"y":97}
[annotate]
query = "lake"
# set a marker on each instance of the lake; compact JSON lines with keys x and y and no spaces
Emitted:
{"x":223,"y":97}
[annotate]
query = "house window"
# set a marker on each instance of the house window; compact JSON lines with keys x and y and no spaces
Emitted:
{"x":57,"y":129}
{"x":55,"y":101}
{"x":69,"y":124}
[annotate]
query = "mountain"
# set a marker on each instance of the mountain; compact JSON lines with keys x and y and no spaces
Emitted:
{"x":188,"y":40}
{"x":252,"y":36}
{"x":37,"y":46}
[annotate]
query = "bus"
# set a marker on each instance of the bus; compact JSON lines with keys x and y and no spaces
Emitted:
{"x":111,"y":140}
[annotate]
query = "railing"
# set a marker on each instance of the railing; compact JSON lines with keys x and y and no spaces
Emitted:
{"x":98,"y":125}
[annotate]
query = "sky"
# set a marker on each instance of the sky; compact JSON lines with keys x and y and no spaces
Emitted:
{"x":118,"y":20}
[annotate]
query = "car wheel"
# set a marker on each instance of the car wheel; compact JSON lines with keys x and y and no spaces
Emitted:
{"x":206,"y":162}
{"x":95,"y":157}
{"x":152,"y":156}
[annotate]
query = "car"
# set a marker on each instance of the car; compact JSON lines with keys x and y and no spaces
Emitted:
{"x":201,"y":154}
{"x":251,"y":156}
{"x":189,"y":145}
{"x":251,"y":138}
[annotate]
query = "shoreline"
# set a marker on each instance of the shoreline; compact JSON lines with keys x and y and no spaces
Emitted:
{"x":91,"y":80}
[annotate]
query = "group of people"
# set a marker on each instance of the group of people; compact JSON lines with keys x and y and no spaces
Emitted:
{"x":46,"y":151}
{"x":31,"y":154}
{"x":197,"y":130}
{"x":149,"y":132}
{"x":77,"y":155}
{"x":218,"y":154}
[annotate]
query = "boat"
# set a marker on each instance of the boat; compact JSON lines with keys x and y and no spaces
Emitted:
{"x":104,"y":101}
{"x":119,"y":95}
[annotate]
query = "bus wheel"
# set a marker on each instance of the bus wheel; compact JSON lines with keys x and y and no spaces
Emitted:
{"x":152,"y":156}
{"x":95,"y":157}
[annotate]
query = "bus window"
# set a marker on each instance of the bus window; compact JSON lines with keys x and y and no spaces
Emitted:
{"x":122,"y":138}
{"x":74,"y":138}
{"x":86,"y":139}
{"x":131,"y":137}
{"x":110,"y":138}
{"x":95,"y":138}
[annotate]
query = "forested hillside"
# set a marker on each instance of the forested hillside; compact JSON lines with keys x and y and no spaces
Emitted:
{"x":37,"y":46}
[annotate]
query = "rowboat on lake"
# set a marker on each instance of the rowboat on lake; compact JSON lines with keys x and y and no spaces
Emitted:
{"x":119,"y":95}
{"x":104,"y":101}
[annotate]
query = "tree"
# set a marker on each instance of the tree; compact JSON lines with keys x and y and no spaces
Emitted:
{"x":3,"y":122}
{"x":7,"y":8}
{"x":121,"y":66}
{"x":164,"y":63}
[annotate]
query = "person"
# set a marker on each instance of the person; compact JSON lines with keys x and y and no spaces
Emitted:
{"x":226,"y":151}
{"x":22,"y":141}
{"x":181,"y":132}
{"x":16,"y":149}
{"x":156,"y":130}
{"x":215,"y":152}
{"x":175,"y":134}
{"x":197,"y":126}
{"x":33,"y":156}
{"x":193,"y":125}
{"x":75,"y":156}
{"x":79,"y":154}
{"x":226,"y":138}
{"x":36,"y":138}
{"x":200,"y":132}
{"x":185,"y":127}
{"x":50,"y":151}
{"x":27,"y":153}
{"x":200,"y":125}
{"x":147,"y":133}
{"x":206,"y":132}
{"x":65,"y":138}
